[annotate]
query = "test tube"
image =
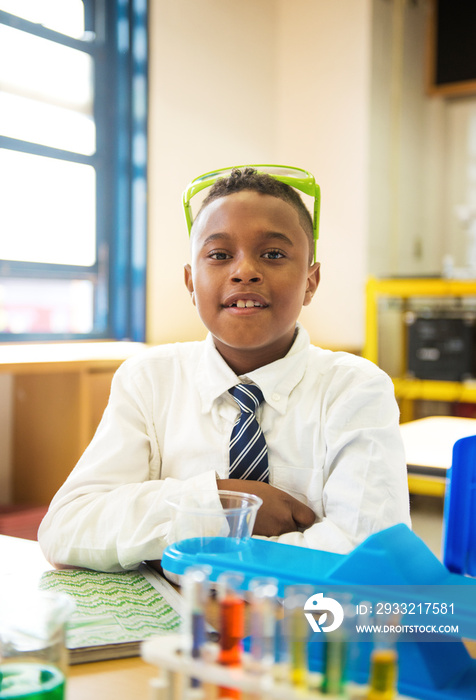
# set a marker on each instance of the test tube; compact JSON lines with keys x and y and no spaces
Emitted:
{"x":297,"y":632}
{"x":384,"y":664}
{"x":196,"y":592}
{"x":232,"y":625}
{"x":281,"y":660}
{"x":263,"y":603}
{"x":383,"y":674}
{"x":336,"y":647}
{"x":335,"y":656}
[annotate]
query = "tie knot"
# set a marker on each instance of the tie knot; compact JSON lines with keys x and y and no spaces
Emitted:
{"x":247,"y":396}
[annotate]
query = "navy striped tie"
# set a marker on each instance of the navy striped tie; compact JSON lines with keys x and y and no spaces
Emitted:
{"x":248,"y":449}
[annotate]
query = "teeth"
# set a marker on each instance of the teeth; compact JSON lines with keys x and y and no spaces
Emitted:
{"x":246,"y":304}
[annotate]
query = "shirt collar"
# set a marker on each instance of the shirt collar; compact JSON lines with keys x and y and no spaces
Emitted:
{"x":276,"y":380}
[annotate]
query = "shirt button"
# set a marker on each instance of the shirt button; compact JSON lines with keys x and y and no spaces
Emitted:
{"x":276,"y":397}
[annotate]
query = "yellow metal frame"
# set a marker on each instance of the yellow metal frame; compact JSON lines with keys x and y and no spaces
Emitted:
{"x":407,"y":390}
{"x":426,"y":485}
{"x":404,"y":289}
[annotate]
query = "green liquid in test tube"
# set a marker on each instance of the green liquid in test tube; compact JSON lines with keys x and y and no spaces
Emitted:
{"x":335,"y":656}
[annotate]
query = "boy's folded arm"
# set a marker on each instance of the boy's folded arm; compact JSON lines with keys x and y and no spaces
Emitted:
{"x":111,"y":529}
{"x":110,"y":514}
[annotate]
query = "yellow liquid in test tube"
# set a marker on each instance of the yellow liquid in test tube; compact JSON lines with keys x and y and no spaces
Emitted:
{"x":383,"y":675}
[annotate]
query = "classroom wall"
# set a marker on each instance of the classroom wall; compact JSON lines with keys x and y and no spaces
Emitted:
{"x":323,"y":59}
{"x":272,"y":81}
{"x":407,"y":148}
{"x":458,"y":200}
{"x":212,"y":96}
{"x":421,"y":153}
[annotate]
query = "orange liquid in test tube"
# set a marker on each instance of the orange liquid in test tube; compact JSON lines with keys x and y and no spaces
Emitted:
{"x":232,"y":627}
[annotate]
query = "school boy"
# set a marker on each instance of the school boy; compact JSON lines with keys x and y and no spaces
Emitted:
{"x":335,"y":464}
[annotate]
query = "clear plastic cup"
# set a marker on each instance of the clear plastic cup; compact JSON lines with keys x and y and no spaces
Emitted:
{"x":212,"y":520}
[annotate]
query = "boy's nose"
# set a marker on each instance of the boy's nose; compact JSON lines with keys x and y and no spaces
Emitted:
{"x":246,"y":271}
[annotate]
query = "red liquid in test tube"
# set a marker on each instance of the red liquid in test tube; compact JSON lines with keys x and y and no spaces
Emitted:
{"x":232,"y":627}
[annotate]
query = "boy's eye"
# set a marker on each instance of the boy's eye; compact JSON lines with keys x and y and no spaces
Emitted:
{"x":218,"y":255}
{"x":273,"y":254}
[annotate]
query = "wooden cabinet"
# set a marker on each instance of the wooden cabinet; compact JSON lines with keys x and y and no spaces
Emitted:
{"x":59,"y":394}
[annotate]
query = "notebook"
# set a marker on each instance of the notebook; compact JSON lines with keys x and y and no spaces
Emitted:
{"x":115,"y":612}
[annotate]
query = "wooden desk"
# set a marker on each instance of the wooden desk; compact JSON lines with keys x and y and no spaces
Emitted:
{"x":60,"y":391}
{"x":428,"y":446}
{"x":122,"y":679}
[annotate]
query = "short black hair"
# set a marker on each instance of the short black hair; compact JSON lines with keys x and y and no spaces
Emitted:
{"x":250,"y":179}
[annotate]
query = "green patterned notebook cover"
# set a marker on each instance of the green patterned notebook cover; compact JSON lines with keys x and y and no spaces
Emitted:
{"x":114,"y":612}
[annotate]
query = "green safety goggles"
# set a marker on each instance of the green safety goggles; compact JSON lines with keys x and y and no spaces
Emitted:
{"x":297,"y":178}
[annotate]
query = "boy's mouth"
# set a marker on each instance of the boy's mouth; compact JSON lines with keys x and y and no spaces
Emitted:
{"x":245,"y":301}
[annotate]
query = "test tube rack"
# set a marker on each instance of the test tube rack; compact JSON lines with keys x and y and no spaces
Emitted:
{"x":378,"y":567}
{"x":176,"y":669}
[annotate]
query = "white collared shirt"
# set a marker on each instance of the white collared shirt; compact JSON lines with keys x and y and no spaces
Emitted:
{"x":330,"y":420}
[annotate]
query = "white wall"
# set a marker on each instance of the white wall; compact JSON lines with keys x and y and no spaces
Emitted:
{"x":269,"y":81}
{"x":212,"y":104}
{"x":323,"y":103}
{"x":422,"y":153}
{"x":459,"y":238}
{"x":407,"y":147}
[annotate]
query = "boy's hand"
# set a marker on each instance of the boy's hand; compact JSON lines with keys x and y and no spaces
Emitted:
{"x":279,"y":513}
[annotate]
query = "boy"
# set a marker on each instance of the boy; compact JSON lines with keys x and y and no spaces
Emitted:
{"x":335,"y":465}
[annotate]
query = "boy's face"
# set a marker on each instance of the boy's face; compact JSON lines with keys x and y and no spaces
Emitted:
{"x":250,"y":276}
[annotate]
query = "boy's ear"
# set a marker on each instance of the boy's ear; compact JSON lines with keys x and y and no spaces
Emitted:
{"x":313,"y":279}
{"x":187,"y":275}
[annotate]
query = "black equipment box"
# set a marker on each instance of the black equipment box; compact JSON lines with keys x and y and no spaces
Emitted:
{"x":441,"y":346}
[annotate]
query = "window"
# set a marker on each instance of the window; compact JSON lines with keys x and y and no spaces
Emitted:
{"x":73,"y":164}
